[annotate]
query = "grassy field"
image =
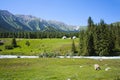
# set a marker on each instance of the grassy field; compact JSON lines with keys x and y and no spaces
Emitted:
{"x":38,"y":46}
{"x":58,"y":69}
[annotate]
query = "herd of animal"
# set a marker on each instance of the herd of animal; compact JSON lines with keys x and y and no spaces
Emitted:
{"x":97,"y":66}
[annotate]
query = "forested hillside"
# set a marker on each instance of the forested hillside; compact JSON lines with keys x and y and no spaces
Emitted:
{"x":100,"y":39}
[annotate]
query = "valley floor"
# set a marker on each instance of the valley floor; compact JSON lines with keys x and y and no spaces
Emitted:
{"x":38,"y":46}
{"x":58,"y":69}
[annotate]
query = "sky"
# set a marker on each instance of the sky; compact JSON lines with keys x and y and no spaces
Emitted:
{"x":72,"y":12}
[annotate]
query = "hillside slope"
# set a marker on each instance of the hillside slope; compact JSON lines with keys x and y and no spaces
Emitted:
{"x":11,"y":22}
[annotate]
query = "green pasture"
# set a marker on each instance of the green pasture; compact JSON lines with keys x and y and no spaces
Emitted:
{"x":38,"y":46}
{"x":58,"y":69}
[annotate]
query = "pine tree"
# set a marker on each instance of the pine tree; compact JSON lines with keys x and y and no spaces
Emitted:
{"x":90,"y":23}
{"x":97,"y":40}
{"x":14,"y":43}
{"x":102,"y":40}
{"x":87,"y":40}
{"x":90,"y":44}
{"x":82,"y":42}
{"x":73,"y":48}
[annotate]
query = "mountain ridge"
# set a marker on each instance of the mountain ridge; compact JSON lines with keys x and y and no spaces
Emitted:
{"x":11,"y":22}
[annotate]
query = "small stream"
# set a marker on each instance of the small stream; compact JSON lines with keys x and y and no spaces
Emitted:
{"x":90,"y":57}
{"x":16,"y":56}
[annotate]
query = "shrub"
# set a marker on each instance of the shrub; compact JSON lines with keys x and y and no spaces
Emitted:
{"x":0,"y":49}
{"x":49,"y":55}
{"x":1,"y":43}
{"x":27,"y":43}
{"x":18,"y":56}
{"x":41,"y":55}
{"x":117,"y":78}
{"x":8,"y":47}
{"x":14,"y":43}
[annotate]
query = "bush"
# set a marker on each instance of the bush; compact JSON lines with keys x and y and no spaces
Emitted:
{"x":27,"y":43}
{"x":116,"y":52}
{"x":49,"y":55}
{"x":1,"y":43}
{"x":18,"y":56}
{"x":8,"y":47}
{"x":14,"y":43}
{"x":0,"y":49}
{"x":117,"y":78}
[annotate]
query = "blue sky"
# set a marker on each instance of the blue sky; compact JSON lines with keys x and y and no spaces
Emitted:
{"x":73,"y":12}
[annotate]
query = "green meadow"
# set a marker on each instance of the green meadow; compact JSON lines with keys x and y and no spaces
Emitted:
{"x":38,"y":46}
{"x":52,"y":68}
{"x":58,"y":69}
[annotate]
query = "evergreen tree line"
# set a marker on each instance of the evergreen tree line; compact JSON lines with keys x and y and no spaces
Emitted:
{"x":100,"y":39}
{"x":39,"y":35}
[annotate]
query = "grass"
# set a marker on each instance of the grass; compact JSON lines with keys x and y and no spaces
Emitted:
{"x":58,"y":69}
{"x":38,"y":46}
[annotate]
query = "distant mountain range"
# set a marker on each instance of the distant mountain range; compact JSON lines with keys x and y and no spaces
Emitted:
{"x":11,"y":22}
